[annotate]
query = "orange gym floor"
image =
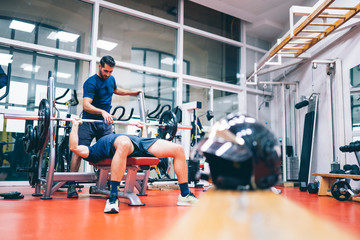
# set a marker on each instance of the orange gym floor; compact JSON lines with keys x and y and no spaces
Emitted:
{"x":83,"y":218}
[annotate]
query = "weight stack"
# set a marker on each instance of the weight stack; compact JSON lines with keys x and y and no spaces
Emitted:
{"x":292,"y":168}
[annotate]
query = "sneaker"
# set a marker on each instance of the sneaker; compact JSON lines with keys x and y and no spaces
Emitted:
{"x":275,"y":190}
{"x":71,"y":191}
{"x":111,"y":207}
{"x":188,"y":200}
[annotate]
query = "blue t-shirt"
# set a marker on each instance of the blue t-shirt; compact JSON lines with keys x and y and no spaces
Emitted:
{"x":3,"y":78}
{"x":104,"y":147}
{"x":101,"y":92}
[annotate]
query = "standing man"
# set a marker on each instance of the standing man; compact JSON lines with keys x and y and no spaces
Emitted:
{"x":97,"y":95}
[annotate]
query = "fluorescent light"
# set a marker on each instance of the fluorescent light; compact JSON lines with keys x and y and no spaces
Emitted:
{"x":67,"y":37}
{"x":29,"y":67}
{"x":63,"y":36}
{"x":52,"y":36}
{"x":22,"y":26}
{"x":168,"y":61}
{"x":63,"y":75}
{"x":106,"y":45}
{"x":5,"y":59}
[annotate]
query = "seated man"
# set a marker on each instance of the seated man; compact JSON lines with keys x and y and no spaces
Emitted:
{"x":119,"y":147}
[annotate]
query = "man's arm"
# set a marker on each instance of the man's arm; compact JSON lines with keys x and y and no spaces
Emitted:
{"x":80,"y":150}
{"x":121,"y":91}
{"x":88,"y":107}
{"x":143,"y":127}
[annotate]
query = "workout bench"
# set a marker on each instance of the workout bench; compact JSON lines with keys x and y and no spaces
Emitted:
{"x":132,"y":178}
{"x":328,"y":179}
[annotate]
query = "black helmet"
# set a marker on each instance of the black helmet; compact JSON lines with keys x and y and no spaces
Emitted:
{"x":242,"y":154}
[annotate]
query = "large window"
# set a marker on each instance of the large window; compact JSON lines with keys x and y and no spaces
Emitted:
{"x":126,"y":33}
{"x":200,"y":94}
{"x":28,"y":73}
{"x":225,"y":103}
{"x":57,"y":37}
{"x":212,"y":21}
{"x":212,"y":59}
{"x":31,"y":69}
{"x":63,"y":24}
{"x":157,"y":89}
{"x":251,"y":58}
{"x":161,"y":8}
{"x":257,"y":42}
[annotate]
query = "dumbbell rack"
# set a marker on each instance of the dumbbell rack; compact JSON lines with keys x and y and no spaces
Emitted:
{"x":328,"y":179}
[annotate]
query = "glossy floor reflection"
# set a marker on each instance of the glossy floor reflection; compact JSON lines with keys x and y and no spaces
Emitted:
{"x":83,"y":218}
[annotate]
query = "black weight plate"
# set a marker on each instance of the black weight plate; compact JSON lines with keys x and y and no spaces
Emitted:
{"x":37,"y":146}
{"x":11,"y":195}
{"x":28,"y":139}
{"x":44,"y":121}
{"x":33,"y":170}
{"x":169,"y":128}
{"x":339,"y":190}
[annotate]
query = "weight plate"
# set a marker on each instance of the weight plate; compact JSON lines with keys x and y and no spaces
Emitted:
{"x":44,"y":121}
{"x":169,"y":128}
{"x":28,"y":139}
{"x":37,"y":146}
{"x":339,"y":190}
{"x":33,"y":170}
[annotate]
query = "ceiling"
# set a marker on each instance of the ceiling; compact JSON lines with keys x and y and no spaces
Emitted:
{"x":267,"y":19}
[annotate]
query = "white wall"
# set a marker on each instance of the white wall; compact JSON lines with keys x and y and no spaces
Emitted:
{"x":346,"y":50}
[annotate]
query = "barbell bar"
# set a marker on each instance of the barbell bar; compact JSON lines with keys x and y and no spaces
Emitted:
{"x":31,"y":117}
{"x":35,"y":138}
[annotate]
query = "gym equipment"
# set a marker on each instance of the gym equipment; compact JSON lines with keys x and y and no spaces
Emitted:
{"x":341,"y":191}
{"x":313,"y":188}
{"x":122,"y":113}
{"x":355,"y":148}
{"x":28,"y":138}
{"x":132,"y":178}
{"x":155,"y":114}
{"x":32,"y":170}
{"x":168,"y":119}
{"x":209,"y":115}
{"x":167,"y":126}
{"x":308,"y":137}
{"x":12,"y":195}
{"x":63,"y":153}
{"x":50,"y":180}
{"x":303,"y":186}
{"x":44,"y":114}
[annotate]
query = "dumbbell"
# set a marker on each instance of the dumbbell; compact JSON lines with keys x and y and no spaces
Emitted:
{"x":338,"y":171}
{"x":303,"y":186}
{"x":313,"y":188}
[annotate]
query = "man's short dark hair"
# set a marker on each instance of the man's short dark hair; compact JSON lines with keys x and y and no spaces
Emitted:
{"x":109,"y":60}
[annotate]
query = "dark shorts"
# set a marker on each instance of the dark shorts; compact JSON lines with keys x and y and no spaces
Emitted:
{"x":90,"y":130}
{"x":104,"y":148}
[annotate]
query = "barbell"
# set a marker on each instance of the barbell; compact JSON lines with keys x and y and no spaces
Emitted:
{"x":167,"y":126}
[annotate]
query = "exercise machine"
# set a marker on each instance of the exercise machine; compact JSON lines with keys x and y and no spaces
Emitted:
{"x":308,"y":138}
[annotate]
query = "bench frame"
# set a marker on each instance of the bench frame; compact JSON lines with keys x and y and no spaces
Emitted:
{"x":137,"y":176}
{"x":133,"y":178}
